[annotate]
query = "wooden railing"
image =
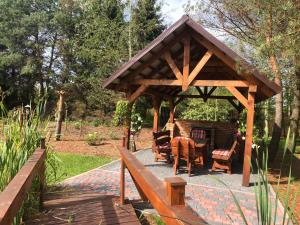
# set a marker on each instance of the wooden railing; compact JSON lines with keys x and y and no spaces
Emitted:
{"x":166,"y":197}
{"x":12,"y":197}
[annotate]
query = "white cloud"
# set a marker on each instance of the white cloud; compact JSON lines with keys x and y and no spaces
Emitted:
{"x":173,"y":10}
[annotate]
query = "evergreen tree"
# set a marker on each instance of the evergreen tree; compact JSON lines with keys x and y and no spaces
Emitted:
{"x":147,"y":23}
{"x":24,"y":39}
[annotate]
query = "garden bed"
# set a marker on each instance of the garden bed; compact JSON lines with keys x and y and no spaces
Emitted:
{"x":73,"y":140}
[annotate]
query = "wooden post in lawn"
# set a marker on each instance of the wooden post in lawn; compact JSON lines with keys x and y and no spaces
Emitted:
{"x":249,"y":137}
{"x":60,"y":112}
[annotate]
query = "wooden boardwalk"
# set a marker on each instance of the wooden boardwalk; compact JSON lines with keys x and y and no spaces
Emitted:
{"x":90,"y":208}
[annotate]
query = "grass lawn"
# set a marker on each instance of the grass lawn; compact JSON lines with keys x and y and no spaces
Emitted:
{"x":74,"y":164}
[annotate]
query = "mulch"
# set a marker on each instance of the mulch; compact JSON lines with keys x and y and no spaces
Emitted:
{"x":283,"y":184}
{"x":73,"y":140}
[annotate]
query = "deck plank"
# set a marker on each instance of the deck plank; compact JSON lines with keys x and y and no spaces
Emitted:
{"x":74,"y":207}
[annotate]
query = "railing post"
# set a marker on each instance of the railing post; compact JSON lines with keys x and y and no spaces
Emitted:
{"x":42,"y":177}
{"x":123,"y":141}
{"x":175,"y":187}
{"x":122,"y":183}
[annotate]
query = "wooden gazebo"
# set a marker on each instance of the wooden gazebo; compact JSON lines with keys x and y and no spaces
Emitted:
{"x":187,"y":55}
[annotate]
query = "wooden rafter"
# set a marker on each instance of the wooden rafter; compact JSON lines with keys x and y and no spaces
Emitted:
{"x":235,"y":92}
{"x":173,"y":66}
{"x":208,"y":83}
{"x":236,"y":106}
{"x":211,"y":91}
{"x":199,"y":66}
{"x":153,"y":58}
{"x":137,"y":93}
{"x":178,"y":101}
{"x":211,"y":97}
{"x":207,"y":94}
{"x":200,"y":91}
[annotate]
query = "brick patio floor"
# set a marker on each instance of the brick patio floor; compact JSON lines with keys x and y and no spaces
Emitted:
{"x":204,"y":193}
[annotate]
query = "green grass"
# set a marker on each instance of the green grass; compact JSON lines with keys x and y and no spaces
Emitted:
{"x":74,"y":164}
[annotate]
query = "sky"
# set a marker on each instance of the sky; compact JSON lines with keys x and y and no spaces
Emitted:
{"x":172,"y":10}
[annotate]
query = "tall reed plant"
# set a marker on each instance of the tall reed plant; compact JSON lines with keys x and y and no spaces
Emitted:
{"x":266,"y":202}
{"x":21,"y":131}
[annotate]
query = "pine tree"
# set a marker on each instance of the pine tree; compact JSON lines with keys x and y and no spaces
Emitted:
{"x":147,"y":22}
{"x":24,"y":38}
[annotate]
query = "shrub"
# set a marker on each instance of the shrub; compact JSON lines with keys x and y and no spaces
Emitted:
{"x":96,"y":123}
{"x":77,"y":125}
{"x":121,"y":113}
{"x":94,"y":139}
{"x":136,"y":122}
{"x":114,"y":136}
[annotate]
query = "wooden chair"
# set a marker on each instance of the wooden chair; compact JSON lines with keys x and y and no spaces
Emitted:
{"x":162,"y":145}
{"x":199,"y":136}
{"x":222,"y":158}
{"x":183,"y":148}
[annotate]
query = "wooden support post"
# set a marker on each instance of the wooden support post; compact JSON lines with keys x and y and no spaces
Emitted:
{"x":42,"y":178}
{"x":60,"y":113}
{"x":249,"y":139}
{"x":122,"y":183}
{"x":186,"y":63}
{"x":171,"y":108}
{"x":175,"y":190}
{"x":171,"y":124}
{"x":156,"y":105}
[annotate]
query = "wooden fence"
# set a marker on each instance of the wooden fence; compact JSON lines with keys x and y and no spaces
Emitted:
{"x":166,"y":197}
{"x":12,"y":197}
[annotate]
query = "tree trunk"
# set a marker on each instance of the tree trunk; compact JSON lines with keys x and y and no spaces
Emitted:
{"x":294,"y":119}
{"x":60,"y":113}
{"x":277,"y":127}
{"x":266,"y":122}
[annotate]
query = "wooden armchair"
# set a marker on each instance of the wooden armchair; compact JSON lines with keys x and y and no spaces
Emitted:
{"x":162,"y":145}
{"x":222,"y":158}
{"x":183,"y":148}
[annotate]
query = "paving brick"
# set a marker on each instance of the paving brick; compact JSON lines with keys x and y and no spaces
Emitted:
{"x":206,"y":196}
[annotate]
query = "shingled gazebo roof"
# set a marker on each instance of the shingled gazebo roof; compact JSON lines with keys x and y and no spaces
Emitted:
{"x":225,"y":64}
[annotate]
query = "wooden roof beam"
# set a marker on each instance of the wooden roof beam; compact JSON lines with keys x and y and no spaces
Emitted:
{"x":186,"y":62}
{"x":167,"y":56}
{"x":210,"y":97}
{"x":137,"y":93}
{"x":235,"y":92}
{"x":208,"y":83}
{"x":199,"y":66}
{"x":155,"y":56}
{"x":200,"y":91}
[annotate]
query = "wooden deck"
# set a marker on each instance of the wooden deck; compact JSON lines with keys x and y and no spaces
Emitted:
{"x":90,"y":208}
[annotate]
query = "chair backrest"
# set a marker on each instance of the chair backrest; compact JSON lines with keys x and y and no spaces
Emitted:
{"x":161,"y":137}
{"x":234,"y":148}
{"x":183,"y":147}
{"x":198,"y":134}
